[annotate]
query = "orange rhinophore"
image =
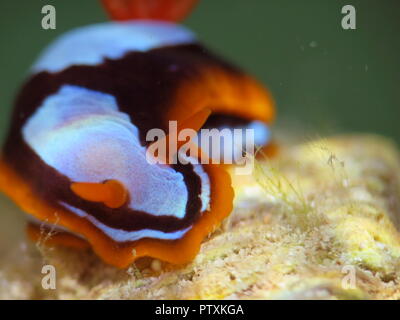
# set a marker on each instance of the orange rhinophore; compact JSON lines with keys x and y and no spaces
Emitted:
{"x":112,"y":193}
{"x":163,"y":10}
{"x":76,"y":155}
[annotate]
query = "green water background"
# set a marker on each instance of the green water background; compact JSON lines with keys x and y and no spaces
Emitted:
{"x":324,"y":78}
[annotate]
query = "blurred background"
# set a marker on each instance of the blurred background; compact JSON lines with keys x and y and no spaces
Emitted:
{"x":324,"y":79}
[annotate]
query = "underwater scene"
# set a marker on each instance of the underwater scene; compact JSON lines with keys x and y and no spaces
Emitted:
{"x":200,"y":150}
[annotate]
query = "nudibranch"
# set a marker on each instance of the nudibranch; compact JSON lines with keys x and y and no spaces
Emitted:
{"x":74,"y":158}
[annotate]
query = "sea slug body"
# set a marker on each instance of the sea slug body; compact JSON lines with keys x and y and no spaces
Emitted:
{"x":75,"y":154}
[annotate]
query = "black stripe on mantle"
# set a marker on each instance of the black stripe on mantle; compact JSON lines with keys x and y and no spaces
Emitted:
{"x":143,"y":84}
